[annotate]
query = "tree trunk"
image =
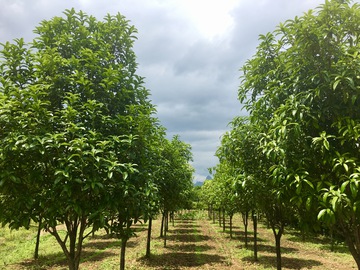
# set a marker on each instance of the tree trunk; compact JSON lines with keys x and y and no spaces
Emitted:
{"x":231,"y":234}
{"x":213,"y":214}
{"x":223,"y":220}
{"x":122,"y":252}
{"x":165,"y":238}
{"x":332,"y":242}
{"x":278,"y":235}
{"x":219,"y":217}
{"x":245,"y":217}
{"x":72,"y":244}
{"x":72,"y":255}
{"x":354,"y":248}
{"x":148,"y":238}
{"x":166,"y":220}
{"x":36,"y":253}
{"x":162,"y":225}
{"x":255,"y":235}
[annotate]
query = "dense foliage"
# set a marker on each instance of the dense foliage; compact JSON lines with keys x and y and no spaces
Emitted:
{"x":297,"y":153}
{"x":79,"y":142}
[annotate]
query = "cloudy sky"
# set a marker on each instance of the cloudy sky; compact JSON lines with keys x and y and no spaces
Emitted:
{"x":189,"y":51}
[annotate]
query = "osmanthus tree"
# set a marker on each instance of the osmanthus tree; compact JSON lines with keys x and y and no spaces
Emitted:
{"x":227,"y":153}
{"x":306,"y":75}
{"x":216,"y":191}
{"x":207,"y":196}
{"x":258,"y":190}
{"x":225,"y":193}
{"x":175,"y":178}
{"x":76,"y":128}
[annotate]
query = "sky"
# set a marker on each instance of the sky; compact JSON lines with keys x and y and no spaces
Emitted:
{"x":189,"y":51}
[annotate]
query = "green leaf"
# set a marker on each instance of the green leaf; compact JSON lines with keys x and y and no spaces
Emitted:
{"x":308,"y":203}
{"x":334,"y":202}
{"x":309,"y":183}
{"x":321,"y":214}
{"x":354,"y":189}
{"x":326,"y":144}
{"x":343,"y":186}
{"x":336,"y":83}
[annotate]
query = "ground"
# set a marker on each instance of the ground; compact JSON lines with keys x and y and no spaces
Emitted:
{"x":198,"y":243}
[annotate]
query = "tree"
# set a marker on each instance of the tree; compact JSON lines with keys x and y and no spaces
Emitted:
{"x":304,"y":79}
{"x":256,"y":188}
{"x":76,"y":124}
{"x":175,"y":178}
{"x":207,"y":196}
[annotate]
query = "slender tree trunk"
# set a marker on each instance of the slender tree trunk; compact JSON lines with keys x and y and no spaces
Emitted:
{"x":213,"y":214}
{"x":148,"y":238}
{"x":278,"y":235}
{"x":72,"y":244}
{"x":162,"y":225}
{"x":278,"y":251}
{"x":223,"y":220}
{"x":219,"y":217}
{"x":332,"y":242}
{"x":165,"y":238}
{"x":231,"y":234}
{"x":255,"y":235}
{"x":80,"y":240}
{"x":122,"y":252}
{"x":167,"y":221}
{"x":72,"y":256}
{"x":36,"y":252}
{"x":245,"y":217}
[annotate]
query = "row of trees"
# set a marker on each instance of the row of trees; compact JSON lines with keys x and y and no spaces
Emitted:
{"x":295,"y":158}
{"x":79,"y":143}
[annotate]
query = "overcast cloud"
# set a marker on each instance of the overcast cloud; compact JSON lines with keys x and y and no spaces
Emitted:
{"x":189,"y":51}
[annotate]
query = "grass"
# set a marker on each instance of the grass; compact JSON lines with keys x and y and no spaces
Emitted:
{"x":193,"y":243}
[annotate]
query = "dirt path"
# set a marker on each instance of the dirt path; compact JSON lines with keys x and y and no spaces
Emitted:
{"x":193,"y":244}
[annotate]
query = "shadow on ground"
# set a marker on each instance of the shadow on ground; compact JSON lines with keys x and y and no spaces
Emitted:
{"x":181,"y":230}
{"x":190,"y":248}
{"x":182,"y":259}
{"x":289,"y":263}
{"x":188,"y":238}
{"x":272,"y":249}
{"x":58,"y":259}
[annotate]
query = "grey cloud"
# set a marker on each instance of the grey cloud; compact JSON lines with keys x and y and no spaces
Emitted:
{"x":193,"y":81}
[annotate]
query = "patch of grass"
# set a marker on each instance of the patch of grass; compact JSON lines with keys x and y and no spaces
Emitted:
{"x":191,"y":215}
{"x":193,"y":243}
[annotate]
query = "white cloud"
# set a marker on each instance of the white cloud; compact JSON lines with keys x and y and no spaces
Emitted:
{"x":211,"y":18}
